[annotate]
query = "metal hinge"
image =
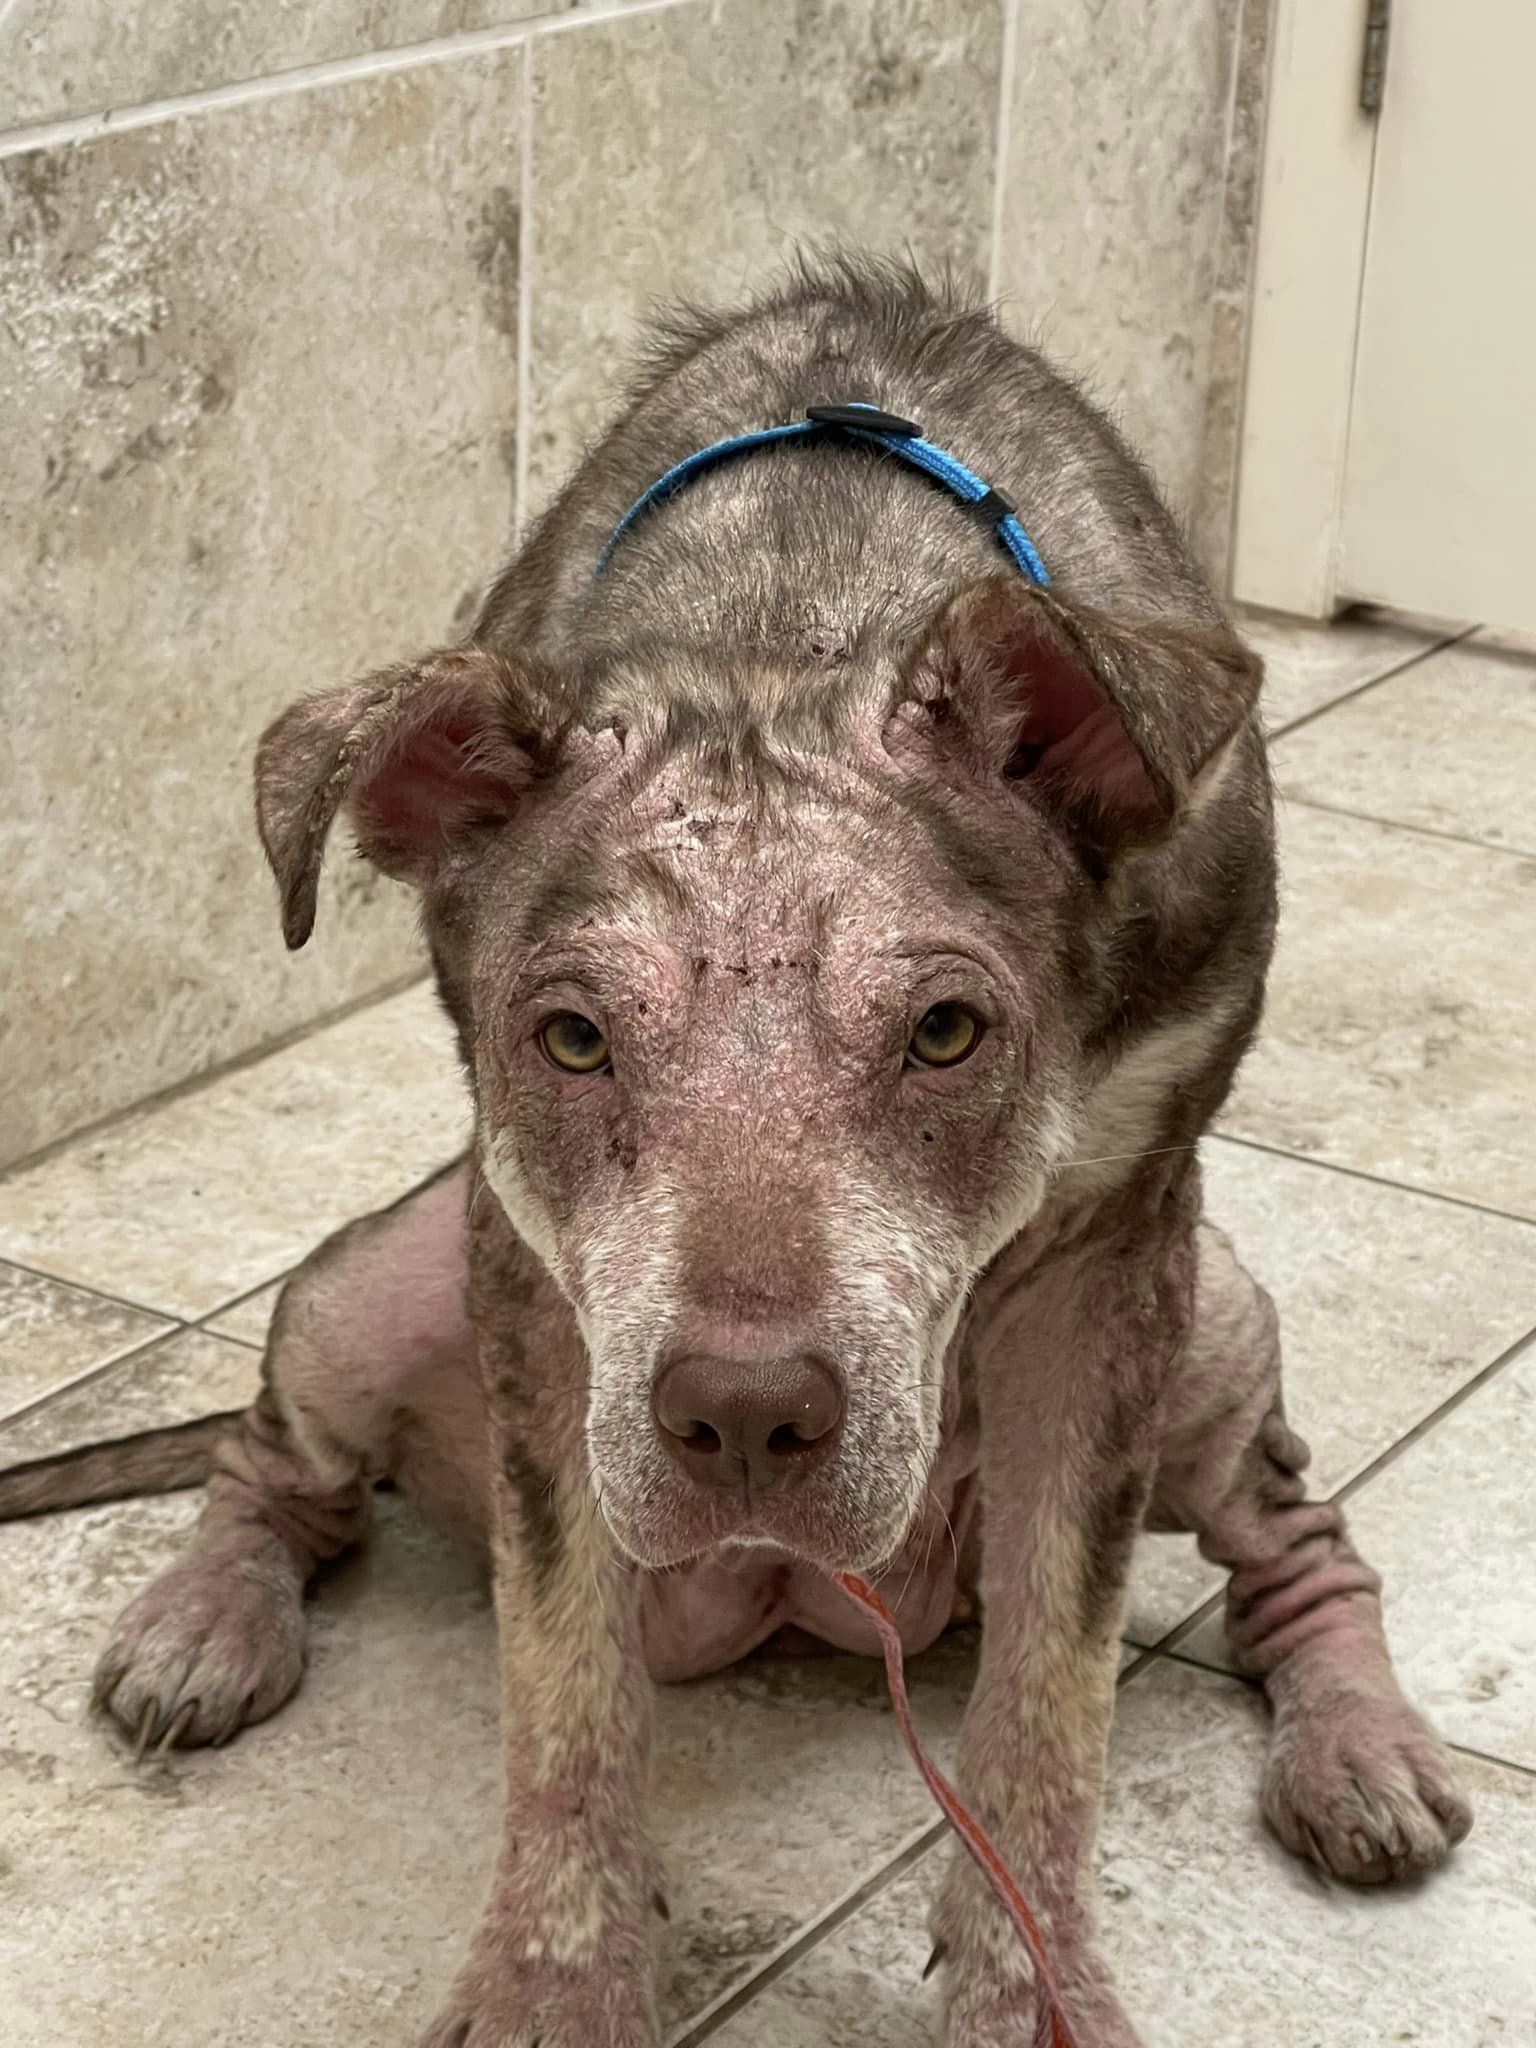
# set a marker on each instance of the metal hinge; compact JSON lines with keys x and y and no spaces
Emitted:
{"x":1373,"y":59}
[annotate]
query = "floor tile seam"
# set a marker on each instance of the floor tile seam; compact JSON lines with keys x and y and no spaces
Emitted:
{"x":108,"y":1296}
{"x":1307,"y":803}
{"x":107,"y":1368}
{"x":1210,"y":1670}
{"x":180,"y":1326}
{"x":1377,"y":1180}
{"x":809,"y":1937}
{"x":209,"y":1077}
{"x":1167,"y":1643}
{"x":1371,"y":682}
{"x":1459,"y":1396}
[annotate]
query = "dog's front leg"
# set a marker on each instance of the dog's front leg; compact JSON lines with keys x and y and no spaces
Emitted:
{"x":563,"y":1956}
{"x":1070,"y":1361}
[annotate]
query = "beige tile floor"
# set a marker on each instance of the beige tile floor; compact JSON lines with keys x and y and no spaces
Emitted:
{"x":313,"y":1883}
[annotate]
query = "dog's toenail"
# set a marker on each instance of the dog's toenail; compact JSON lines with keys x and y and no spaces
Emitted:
{"x":185,"y":1716}
{"x":146,"y":1729}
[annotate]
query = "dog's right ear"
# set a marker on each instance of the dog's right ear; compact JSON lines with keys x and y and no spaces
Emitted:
{"x":421,"y":756}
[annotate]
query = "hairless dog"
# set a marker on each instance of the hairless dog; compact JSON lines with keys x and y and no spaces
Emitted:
{"x":851,"y":878}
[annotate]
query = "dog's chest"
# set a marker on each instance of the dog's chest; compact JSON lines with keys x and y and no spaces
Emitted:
{"x":717,"y":1609}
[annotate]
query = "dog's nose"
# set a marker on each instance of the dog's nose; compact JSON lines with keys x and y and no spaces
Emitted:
{"x":768,"y":1422}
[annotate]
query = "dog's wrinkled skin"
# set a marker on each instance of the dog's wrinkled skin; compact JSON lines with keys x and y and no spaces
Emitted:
{"x":808,"y":759}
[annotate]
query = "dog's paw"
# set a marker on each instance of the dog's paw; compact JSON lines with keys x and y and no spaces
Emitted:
{"x":989,"y":1986}
{"x":217,"y":1642}
{"x":989,"y":1980}
{"x":529,"y":2010}
{"x":1360,"y":1785}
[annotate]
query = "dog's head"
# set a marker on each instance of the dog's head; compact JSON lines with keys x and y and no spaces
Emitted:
{"x":773,"y":987}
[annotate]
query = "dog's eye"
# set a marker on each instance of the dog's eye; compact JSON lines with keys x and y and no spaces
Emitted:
{"x":574,"y":1043}
{"x":945,"y":1036}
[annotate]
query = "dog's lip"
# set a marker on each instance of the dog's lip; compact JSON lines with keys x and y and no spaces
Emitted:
{"x":683,"y":1540}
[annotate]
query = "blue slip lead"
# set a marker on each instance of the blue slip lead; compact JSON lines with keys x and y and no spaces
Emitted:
{"x":877,"y":429}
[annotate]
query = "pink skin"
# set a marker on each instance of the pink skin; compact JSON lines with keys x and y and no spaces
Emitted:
{"x":761,"y":1172}
{"x":769,"y":1020}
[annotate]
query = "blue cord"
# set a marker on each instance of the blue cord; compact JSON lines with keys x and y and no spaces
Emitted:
{"x":898,"y":438}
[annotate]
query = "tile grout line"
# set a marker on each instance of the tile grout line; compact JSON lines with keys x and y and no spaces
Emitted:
{"x":206,"y":1077}
{"x":1310,"y":803}
{"x":1167,"y":1643}
{"x":1375,"y":1180}
{"x":1002,"y":144}
{"x":103,"y":1294}
{"x":99,"y":1371}
{"x":173,"y":1317}
{"x":1229,"y":237}
{"x":1397,"y":668}
{"x":102,"y":122}
{"x":1200,"y":1664}
{"x":1462,"y":1394}
{"x":1487,"y":1756}
{"x":1189,"y":1663}
{"x":526,"y":258}
{"x":811,"y":1936}
{"x":180,"y":1326}
{"x":800,"y":1944}
{"x":1139,"y":1663}
{"x":730,"y":2001}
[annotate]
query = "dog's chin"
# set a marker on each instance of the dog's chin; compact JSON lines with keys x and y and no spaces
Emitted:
{"x":831,"y":1535}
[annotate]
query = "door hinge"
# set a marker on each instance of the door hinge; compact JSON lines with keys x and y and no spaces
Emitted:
{"x":1373,"y":59}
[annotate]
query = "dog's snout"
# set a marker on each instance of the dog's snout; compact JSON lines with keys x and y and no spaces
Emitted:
{"x":766,"y":1423}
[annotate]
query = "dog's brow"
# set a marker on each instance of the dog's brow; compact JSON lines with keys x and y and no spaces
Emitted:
{"x":926,"y":945}
{"x":565,"y":955}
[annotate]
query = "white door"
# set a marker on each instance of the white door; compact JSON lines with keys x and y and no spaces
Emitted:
{"x":1414,"y":481}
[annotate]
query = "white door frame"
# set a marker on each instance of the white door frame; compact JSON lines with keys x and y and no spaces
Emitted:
{"x":1314,"y":207}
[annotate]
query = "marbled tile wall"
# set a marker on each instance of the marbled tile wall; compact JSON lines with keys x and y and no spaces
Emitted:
{"x":303,"y":307}
{"x":1117,"y":243}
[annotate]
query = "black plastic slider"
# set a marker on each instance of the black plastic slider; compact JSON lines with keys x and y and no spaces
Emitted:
{"x":869,"y":417}
{"x":993,"y":507}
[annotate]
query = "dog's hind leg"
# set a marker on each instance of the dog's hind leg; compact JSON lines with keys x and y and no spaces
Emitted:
{"x":1356,"y":1780}
{"x":218,"y":1640}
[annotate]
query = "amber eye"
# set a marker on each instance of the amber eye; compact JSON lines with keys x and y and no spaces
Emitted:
{"x":574,"y":1043}
{"x":945,"y":1036}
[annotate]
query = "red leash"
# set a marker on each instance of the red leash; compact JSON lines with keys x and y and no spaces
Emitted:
{"x":1052,"y":2028}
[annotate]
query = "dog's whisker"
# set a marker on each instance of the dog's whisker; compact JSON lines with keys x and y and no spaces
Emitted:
{"x":1114,"y":1158}
{"x":949,"y":1527}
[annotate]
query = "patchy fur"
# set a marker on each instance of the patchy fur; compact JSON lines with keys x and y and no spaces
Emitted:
{"x":802,"y":764}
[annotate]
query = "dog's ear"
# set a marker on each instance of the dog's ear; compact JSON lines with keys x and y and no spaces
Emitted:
{"x":421,"y":756}
{"x":1112,"y":730}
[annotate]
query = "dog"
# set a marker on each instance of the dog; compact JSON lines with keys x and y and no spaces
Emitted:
{"x":845,"y":848}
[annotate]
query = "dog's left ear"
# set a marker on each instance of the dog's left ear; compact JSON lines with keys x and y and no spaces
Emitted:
{"x":1112,"y":730}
